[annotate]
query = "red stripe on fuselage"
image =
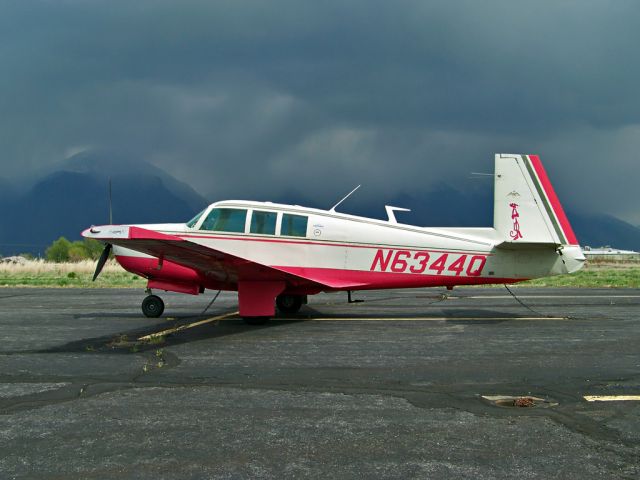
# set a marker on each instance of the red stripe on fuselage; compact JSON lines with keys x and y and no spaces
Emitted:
{"x":184,"y":277}
{"x":370,"y":280}
{"x":331,"y":244}
{"x":553,"y":199}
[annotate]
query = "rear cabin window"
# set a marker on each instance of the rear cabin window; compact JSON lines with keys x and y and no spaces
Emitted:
{"x":294,"y":225}
{"x":263,"y":222}
{"x":225,"y":220}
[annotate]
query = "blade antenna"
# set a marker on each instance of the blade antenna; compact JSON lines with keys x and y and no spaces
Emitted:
{"x":333,"y":209}
{"x":110,"y":205}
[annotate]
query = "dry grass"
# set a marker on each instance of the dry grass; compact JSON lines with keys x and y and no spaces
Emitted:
{"x":37,"y":267}
{"x":38,"y":273}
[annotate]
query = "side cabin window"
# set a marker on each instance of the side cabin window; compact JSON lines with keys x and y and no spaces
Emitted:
{"x":294,"y":225}
{"x":225,"y":220}
{"x":263,"y":223}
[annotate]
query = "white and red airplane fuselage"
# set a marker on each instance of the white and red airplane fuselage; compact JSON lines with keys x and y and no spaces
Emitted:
{"x":268,"y":251}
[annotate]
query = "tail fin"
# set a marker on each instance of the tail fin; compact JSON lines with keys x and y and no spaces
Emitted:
{"x":526,"y":208}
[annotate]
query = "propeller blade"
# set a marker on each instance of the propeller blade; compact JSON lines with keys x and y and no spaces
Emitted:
{"x":102,"y":260}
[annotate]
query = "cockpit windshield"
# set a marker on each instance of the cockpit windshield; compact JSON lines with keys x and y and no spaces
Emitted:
{"x":192,"y":223}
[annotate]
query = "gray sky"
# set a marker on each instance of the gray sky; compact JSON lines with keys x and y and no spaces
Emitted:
{"x":263,"y":97}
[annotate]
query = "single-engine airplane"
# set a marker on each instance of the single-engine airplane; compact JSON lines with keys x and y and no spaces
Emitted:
{"x":276,"y":255}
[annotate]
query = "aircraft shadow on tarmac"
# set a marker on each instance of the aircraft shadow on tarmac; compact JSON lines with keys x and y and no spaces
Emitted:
{"x":448,"y":315}
{"x":181,"y":330}
{"x":130,"y":341}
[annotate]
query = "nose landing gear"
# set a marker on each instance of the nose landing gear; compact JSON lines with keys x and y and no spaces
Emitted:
{"x":152,"y":306}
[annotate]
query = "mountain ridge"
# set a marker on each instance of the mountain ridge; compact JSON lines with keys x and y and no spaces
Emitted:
{"x":66,"y":201}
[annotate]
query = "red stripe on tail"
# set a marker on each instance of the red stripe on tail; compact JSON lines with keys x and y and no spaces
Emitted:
{"x":553,"y":199}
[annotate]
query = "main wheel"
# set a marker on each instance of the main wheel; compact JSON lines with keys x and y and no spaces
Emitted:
{"x":152,"y":306}
{"x":289,"y":303}
{"x":256,"y":320}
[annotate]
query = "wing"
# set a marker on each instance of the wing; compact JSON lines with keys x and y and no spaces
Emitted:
{"x":216,"y":264}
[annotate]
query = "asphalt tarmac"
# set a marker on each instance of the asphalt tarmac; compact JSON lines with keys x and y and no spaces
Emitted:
{"x":406,"y":384}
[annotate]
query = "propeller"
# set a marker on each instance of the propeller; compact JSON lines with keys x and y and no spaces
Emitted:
{"x":102,"y":260}
{"x":107,"y":246}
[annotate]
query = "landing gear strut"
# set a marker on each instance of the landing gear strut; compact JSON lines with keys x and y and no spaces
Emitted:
{"x":152,"y":306}
{"x":289,"y":303}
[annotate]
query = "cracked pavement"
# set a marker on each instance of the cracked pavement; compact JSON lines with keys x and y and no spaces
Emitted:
{"x":387,"y":388}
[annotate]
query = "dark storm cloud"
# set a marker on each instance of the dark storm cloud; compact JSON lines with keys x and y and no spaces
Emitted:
{"x":256,"y":98}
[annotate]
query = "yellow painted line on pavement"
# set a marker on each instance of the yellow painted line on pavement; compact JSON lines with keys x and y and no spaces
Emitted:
{"x":612,"y":398}
{"x":179,"y":328}
{"x":414,"y":319}
{"x":186,"y":326}
{"x":475,"y":297}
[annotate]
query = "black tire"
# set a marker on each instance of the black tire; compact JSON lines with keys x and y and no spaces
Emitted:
{"x":289,"y":303}
{"x":256,"y":320}
{"x":152,"y":306}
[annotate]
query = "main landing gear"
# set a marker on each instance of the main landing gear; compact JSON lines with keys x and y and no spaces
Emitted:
{"x":152,"y":306}
{"x":285,"y":303}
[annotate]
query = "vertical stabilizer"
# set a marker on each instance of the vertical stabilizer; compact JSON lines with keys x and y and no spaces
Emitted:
{"x":526,"y":208}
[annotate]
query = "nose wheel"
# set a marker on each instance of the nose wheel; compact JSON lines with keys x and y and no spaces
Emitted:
{"x":152,"y":306}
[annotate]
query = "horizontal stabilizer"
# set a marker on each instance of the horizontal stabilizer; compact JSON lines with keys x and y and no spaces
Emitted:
{"x":527,"y":246}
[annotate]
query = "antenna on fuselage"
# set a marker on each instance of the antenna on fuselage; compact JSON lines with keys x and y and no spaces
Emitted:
{"x":483,"y":175}
{"x":333,"y":209}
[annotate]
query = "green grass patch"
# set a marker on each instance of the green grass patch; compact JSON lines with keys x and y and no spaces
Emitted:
{"x":609,"y":275}
{"x":603,"y":277}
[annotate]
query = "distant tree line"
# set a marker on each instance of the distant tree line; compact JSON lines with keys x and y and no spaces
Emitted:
{"x":63,"y":250}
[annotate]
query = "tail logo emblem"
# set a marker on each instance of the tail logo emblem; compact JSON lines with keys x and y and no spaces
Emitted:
{"x":515,"y":233}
